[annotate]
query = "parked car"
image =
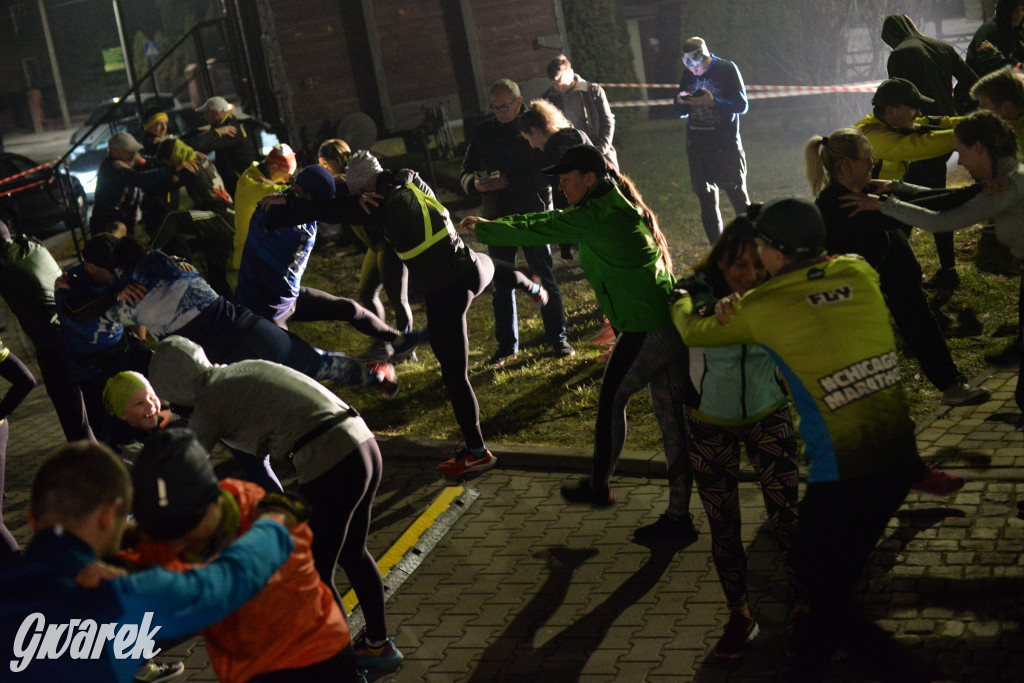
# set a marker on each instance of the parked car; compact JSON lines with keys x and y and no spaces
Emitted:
{"x":85,"y":164}
{"x":33,"y":203}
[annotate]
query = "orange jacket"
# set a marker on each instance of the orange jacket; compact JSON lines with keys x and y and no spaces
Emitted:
{"x":293,"y":622}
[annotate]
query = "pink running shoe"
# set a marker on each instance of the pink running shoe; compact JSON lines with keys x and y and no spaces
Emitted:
{"x":938,"y":483}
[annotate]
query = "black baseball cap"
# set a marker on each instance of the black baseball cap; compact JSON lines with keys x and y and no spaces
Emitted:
{"x":792,"y":225}
{"x":582,"y":158}
{"x":899,"y":91}
{"x":174,"y":483}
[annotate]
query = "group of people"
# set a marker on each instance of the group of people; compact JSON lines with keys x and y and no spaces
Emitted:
{"x":762,"y":319}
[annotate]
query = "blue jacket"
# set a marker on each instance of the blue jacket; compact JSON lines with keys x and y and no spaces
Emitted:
{"x":274,"y":258}
{"x":181,"y":603}
{"x":84,"y":339}
{"x":717,"y":126}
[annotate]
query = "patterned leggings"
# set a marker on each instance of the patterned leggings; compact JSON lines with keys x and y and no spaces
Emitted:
{"x":715,"y":455}
{"x":659,"y":360}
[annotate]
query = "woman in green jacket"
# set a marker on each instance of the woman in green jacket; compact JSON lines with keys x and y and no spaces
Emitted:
{"x":626,"y":260}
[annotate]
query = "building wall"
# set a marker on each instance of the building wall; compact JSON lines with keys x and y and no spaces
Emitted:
{"x":418,"y":56}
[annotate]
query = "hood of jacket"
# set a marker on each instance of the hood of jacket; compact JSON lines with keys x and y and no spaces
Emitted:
{"x":179,"y":370}
{"x":1004,"y":13}
{"x":898,"y":27}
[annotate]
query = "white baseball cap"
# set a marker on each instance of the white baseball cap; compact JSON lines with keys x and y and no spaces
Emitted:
{"x":216,"y":103}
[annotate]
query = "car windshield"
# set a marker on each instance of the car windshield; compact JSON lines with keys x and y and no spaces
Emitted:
{"x":126,"y":108}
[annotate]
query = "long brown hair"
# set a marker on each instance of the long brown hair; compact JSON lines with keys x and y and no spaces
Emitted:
{"x":728,"y":248}
{"x":632,"y":195}
{"x":994,"y":134}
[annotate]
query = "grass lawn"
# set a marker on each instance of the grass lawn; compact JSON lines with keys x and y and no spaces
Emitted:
{"x":543,"y":400}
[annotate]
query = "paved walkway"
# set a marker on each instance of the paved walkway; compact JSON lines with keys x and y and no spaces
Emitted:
{"x":524,"y":588}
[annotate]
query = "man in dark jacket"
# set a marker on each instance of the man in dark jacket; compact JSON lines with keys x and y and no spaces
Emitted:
{"x":711,"y":97}
{"x":504,"y":169}
{"x":931,"y":65}
{"x":228,"y":137}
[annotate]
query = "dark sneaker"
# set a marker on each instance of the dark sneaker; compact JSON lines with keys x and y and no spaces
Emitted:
{"x":938,"y":482}
{"x":383,"y":658}
{"x":465,"y":462}
{"x":1007,"y":358}
{"x":946,"y":278}
{"x":563,"y":350}
{"x":384,"y":377}
{"x":500,"y":357}
{"x":405,"y":345}
{"x":738,"y":632}
{"x":582,"y":491}
{"x":668,"y":530}
{"x":151,"y":672}
{"x":380,"y":351}
{"x":961,"y":394}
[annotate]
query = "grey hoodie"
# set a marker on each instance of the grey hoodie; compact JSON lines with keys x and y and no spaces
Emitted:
{"x":257,"y":407}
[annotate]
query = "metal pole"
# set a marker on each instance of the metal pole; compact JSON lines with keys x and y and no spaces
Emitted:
{"x":53,"y":65}
{"x":129,"y":65}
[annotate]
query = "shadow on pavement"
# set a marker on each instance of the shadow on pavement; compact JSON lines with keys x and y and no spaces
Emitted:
{"x":563,"y":657}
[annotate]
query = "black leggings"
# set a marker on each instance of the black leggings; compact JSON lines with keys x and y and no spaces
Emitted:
{"x":840,"y":524}
{"x":383,"y":269}
{"x":342,"y":499}
{"x":314,"y":304}
{"x":446,"y":325}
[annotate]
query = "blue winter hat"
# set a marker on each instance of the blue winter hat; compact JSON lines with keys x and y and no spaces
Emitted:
{"x":317,"y":182}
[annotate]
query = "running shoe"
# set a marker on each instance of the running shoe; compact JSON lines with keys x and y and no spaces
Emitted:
{"x":961,"y":394}
{"x":937,"y":482}
{"x":668,"y":530}
{"x":383,"y":658}
{"x":740,"y":630}
{"x":606,"y":335}
{"x":406,"y":345}
{"x":384,"y":377}
{"x":946,"y":278}
{"x":465,"y":463}
{"x":151,"y":672}
{"x":582,"y":491}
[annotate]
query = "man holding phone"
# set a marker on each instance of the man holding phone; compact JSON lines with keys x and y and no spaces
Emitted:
{"x":504,"y":170}
{"x":711,"y":97}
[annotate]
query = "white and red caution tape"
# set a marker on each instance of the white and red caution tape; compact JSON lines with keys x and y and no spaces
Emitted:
{"x":4,"y":181}
{"x":754,"y":92}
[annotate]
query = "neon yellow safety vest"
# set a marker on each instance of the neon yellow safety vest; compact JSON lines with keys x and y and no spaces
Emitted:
{"x":430,"y":238}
